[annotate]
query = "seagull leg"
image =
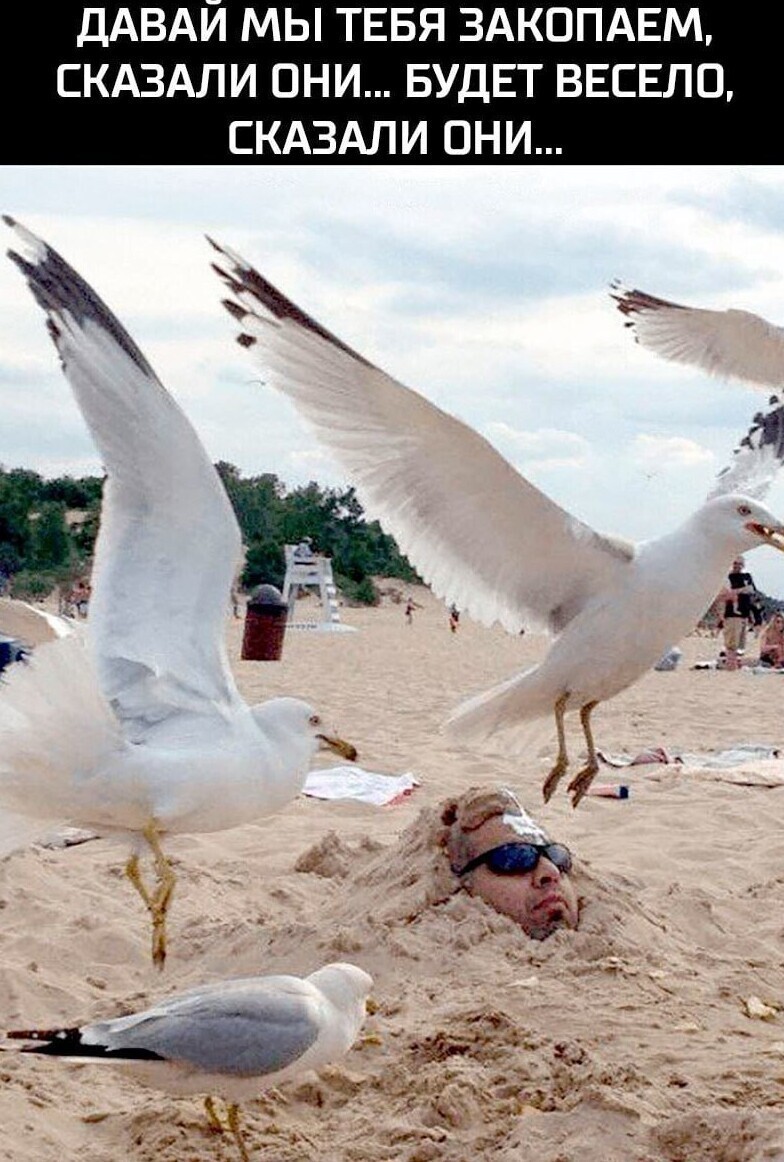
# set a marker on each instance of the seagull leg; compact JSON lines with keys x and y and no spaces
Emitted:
{"x":583,"y":779}
{"x":232,"y":1124}
{"x":157,"y":902}
{"x":212,"y":1116}
{"x":233,"y":1112}
{"x":562,"y":761}
{"x":160,"y":900}
{"x":134,"y":875}
{"x":151,"y":904}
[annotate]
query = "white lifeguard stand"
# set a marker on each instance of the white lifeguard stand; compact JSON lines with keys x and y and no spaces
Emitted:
{"x":311,"y":572}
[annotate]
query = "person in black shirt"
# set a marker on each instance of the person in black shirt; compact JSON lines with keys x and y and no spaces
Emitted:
{"x":737,"y":610}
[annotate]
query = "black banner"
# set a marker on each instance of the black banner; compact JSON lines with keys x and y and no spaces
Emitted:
{"x":426,"y":83}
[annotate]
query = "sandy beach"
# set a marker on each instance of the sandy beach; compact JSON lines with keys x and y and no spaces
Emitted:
{"x":626,"y":1041}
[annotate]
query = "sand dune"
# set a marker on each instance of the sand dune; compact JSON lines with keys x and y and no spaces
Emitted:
{"x":627,"y":1041}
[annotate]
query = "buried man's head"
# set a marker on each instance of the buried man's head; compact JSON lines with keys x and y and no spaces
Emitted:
{"x":503,"y":855}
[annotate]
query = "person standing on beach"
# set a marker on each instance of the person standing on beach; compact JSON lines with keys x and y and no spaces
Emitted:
{"x":411,"y":605}
{"x":737,"y":611}
{"x":80,"y":598}
{"x":454,"y":618}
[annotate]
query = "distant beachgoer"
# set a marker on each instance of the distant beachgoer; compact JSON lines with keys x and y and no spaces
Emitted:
{"x":772,"y":642}
{"x":411,"y":605}
{"x":235,"y":601}
{"x":454,"y":618}
{"x":499,"y":853}
{"x":304,"y":550}
{"x":80,"y":597}
{"x":737,"y":598}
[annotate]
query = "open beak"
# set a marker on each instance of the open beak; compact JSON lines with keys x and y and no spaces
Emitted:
{"x":346,"y":749}
{"x":774,"y":537}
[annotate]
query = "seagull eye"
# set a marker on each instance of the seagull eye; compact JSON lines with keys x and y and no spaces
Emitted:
{"x":744,"y":510}
{"x":314,"y":720}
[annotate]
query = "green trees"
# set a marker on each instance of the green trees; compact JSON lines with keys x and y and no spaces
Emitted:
{"x":38,"y":547}
{"x":48,"y":530}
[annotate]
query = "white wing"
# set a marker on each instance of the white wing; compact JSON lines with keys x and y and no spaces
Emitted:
{"x":729,"y":343}
{"x":758,"y":457}
{"x":477,"y":531}
{"x":734,"y":344}
{"x":168,"y":542}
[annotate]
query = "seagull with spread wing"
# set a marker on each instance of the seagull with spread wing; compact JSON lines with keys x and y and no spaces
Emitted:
{"x":736,"y":344}
{"x":730,"y":344}
{"x":140,"y":729}
{"x":486,"y":539}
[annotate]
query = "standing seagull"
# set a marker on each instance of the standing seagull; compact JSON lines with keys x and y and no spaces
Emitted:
{"x":487,"y":540}
{"x":232,"y":1039}
{"x":141,"y":729}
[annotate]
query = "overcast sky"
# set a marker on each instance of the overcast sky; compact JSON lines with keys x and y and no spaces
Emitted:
{"x":485,"y":288}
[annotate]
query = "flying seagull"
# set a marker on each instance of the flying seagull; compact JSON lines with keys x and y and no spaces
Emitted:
{"x":230,"y":1039}
{"x":139,"y":728}
{"x":735,"y":344}
{"x":486,"y":539}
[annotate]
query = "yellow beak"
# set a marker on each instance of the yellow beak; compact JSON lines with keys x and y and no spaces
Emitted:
{"x":774,"y":537}
{"x":346,"y":749}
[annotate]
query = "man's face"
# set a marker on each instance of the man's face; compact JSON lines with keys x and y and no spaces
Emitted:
{"x":540,"y":901}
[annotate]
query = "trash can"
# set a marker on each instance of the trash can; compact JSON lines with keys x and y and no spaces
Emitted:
{"x":11,"y":650}
{"x":265,"y":625}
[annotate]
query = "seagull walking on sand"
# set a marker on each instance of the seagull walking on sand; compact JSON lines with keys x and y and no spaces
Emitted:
{"x":486,"y":539}
{"x":138,"y":727}
{"x":230,"y":1039}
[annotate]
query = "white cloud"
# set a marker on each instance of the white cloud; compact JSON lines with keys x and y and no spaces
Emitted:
{"x":663,"y":453}
{"x":542,"y":449}
{"x":483,"y":287}
{"x":314,"y":464}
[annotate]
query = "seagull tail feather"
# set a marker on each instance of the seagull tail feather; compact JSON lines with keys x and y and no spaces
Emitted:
{"x":502,"y":714}
{"x":55,"y":728}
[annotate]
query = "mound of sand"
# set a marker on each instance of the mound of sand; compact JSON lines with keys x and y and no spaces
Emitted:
{"x":626,"y":1041}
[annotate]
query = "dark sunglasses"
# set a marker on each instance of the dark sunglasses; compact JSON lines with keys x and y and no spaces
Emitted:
{"x":516,"y":858}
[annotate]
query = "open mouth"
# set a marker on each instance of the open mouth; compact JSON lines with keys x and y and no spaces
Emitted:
{"x":774,"y":537}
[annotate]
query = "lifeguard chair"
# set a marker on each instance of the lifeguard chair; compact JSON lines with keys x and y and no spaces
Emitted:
{"x":310,"y":572}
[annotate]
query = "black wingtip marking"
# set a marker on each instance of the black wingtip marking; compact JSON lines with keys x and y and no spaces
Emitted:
{"x":234,"y":309}
{"x":246,"y":280}
{"x":43,"y":1034}
{"x":634,"y":302}
{"x":58,"y":288}
{"x":68,"y":1043}
{"x":9,"y":221}
{"x":766,"y":431}
{"x":230,"y":282}
{"x":245,"y":340}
